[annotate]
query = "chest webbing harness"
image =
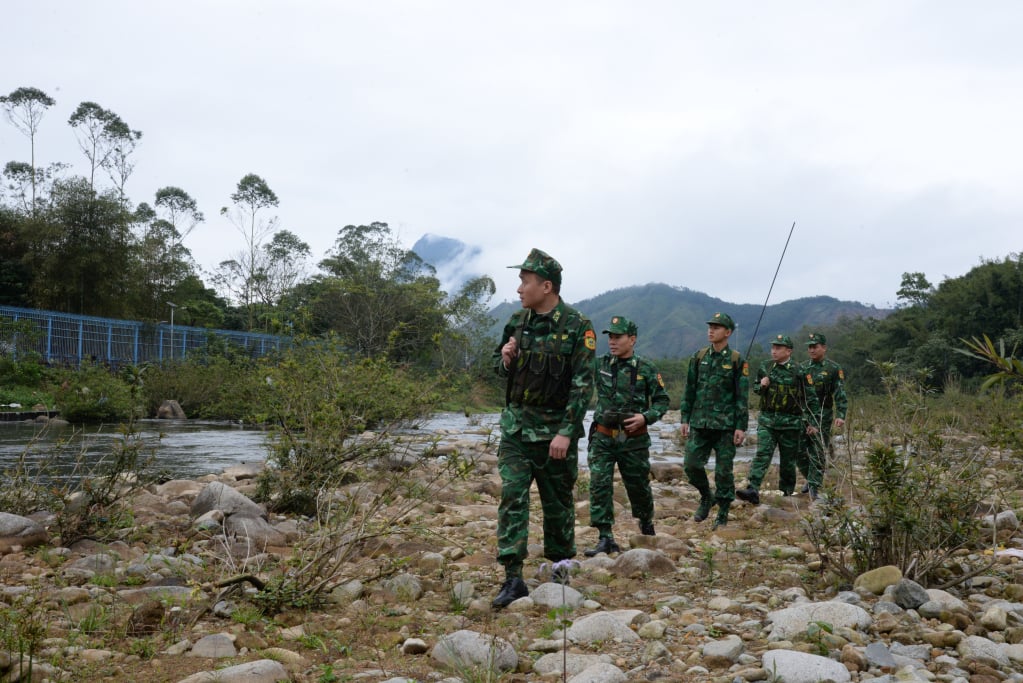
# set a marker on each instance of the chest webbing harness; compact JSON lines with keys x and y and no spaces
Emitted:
{"x":541,"y":375}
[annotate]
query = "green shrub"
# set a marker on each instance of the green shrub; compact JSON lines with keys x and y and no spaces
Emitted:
{"x":214,"y":388}
{"x":93,"y":394}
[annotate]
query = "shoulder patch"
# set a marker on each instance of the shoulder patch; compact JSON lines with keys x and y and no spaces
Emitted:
{"x":809,"y":379}
{"x":841,"y":375}
{"x":745,"y":369}
{"x":590,"y":339}
{"x":660,"y":380}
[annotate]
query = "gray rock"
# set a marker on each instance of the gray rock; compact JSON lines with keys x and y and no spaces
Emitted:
{"x":879,"y":655}
{"x":883,"y":606}
{"x":465,"y":648}
{"x":218,"y":496}
{"x":994,"y":618}
{"x":556,"y":595}
{"x":170,"y":410}
{"x":600,"y":673}
{"x":600,"y":627}
{"x":800,"y":667}
{"x":217,"y":645}
{"x":642,"y":561}
{"x":405,"y":587}
{"x":977,"y":649}
{"x":1003,"y":520}
{"x":16,"y":530}
{"x":414,"y":646}
{"x":259,"y":671}
{"x":722,"y":652}
{"x":574,"y":663}
{"x":253,"y":530}
{"x":908,"y":594}
{"x":792,"y":621}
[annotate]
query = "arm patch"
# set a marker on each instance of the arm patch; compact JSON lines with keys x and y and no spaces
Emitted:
{"x":590,"y":339}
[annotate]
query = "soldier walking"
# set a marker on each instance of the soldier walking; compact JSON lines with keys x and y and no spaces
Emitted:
{"x":546,"y":354}
{"x":787,"y":406}
{"x":829,"y":384}
{"x":715,"y":414}
{"x":630,"y":397}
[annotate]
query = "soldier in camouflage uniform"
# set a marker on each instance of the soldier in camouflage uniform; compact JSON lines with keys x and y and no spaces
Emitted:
{"x":546,"y":354}
{"x":787,"y":404}
{"x":630,"y":396}
{"x":715,"y":414}
{"x":829,"y":382}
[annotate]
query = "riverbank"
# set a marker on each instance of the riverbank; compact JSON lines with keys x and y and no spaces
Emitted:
{"x":746,"y":602}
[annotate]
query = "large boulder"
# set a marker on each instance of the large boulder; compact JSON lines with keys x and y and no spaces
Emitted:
{"x":170,"y":410}
{"x":20,"y":532}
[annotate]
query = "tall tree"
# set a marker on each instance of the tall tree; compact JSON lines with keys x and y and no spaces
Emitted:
{"x":381,"y":299}
{"x":24,"y":108}
{"x":237,"y":276}
{"x":105,"y":139}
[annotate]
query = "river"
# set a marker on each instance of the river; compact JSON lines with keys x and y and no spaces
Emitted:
{"x":186,"y":449}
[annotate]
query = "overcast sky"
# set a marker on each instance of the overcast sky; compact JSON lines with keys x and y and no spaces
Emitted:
{"x":636,"y":142}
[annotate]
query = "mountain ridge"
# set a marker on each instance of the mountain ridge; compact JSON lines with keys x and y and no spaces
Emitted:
{"x":672,"y":320}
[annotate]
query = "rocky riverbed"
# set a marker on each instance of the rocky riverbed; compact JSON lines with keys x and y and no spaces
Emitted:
{"x":748,"y":602}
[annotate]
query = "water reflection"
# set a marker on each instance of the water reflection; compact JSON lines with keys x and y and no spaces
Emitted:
{"x":188,"y":449}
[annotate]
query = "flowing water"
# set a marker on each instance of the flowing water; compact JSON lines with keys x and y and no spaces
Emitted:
{"x":187,"y":449}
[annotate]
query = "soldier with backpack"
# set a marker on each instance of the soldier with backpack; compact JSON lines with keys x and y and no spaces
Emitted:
{"x":715,"y":414}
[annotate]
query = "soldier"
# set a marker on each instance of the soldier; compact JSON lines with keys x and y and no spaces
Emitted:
{"x":787,"y":404}
{"x":630,"y":396}
{"x":715,"y":414}
{"x":829,"y":382}
{"x":547,"y":355}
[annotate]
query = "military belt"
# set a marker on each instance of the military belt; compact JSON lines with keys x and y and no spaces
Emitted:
{"x":613,"y":433}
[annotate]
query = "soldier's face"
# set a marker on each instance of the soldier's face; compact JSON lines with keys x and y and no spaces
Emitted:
{"x":621,"y":345}
{"x":780,"y":354}
{"x":533,"y":289}
{"x":816,"y":351}
{"x":717,"y":334}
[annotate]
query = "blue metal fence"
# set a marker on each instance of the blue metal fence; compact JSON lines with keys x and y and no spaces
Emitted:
{"x":63,"y":338}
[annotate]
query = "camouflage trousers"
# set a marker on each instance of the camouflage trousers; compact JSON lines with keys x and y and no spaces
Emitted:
{"x":814,"y":450}
{"x":698,"y":448}
{"x":520,"y":463}
{"x":634,"y":466}
{"x":787,"y":441}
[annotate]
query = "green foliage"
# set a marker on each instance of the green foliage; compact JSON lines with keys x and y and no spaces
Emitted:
{"x":917,"y":501}
{"x":319,"y":399}
{"x":93,"y":394}
{"x":1007,"y":368}
{"x":211,"y":387}
{"x":22,"y":629}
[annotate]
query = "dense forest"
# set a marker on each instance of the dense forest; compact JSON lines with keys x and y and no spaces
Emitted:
{"x":79,"y":244}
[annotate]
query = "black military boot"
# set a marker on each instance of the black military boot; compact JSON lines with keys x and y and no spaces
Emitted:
{"x":647,"y":529}
{"x":512,"y":589}
{"x":806,"y":488}
{"x":706,"y":503}
{"x":606,"y":544}
{"x":814,"y":494}
{"x":722,"y":518}
{"x":748,"y":494}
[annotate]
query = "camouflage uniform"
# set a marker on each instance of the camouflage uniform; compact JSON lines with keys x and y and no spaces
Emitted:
{"x":630,"y":385}
{"x":829,"y":383}
{"x":786,"y":407}
{"x":549,"y":388}
{"x":715,"y":404}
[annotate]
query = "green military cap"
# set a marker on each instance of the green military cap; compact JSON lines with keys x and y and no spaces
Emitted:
{"x":722,"y":319}
{"x":542,"y":264}
{"x":621,"y":325}
{"x":782,"y":340}
{"x":816,"y":338}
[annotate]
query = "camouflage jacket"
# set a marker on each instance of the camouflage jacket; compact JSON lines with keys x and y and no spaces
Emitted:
{"x":829,"y":382}
{"x":551,"y":381}
{"x":789,"y":401}
{"x":717,"y":391}
{"x":632,"y":385}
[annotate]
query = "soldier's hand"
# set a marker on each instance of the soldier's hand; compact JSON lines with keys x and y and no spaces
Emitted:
{"x":765,"y":382}
{"x":839,"y":422}
{"x":811,"y":430}
{"x":739,"y":437}
{"x":509,"y":352}
{"x":634,"y":422}
{"x":559,"y":447}
{"x":683,"y":429}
